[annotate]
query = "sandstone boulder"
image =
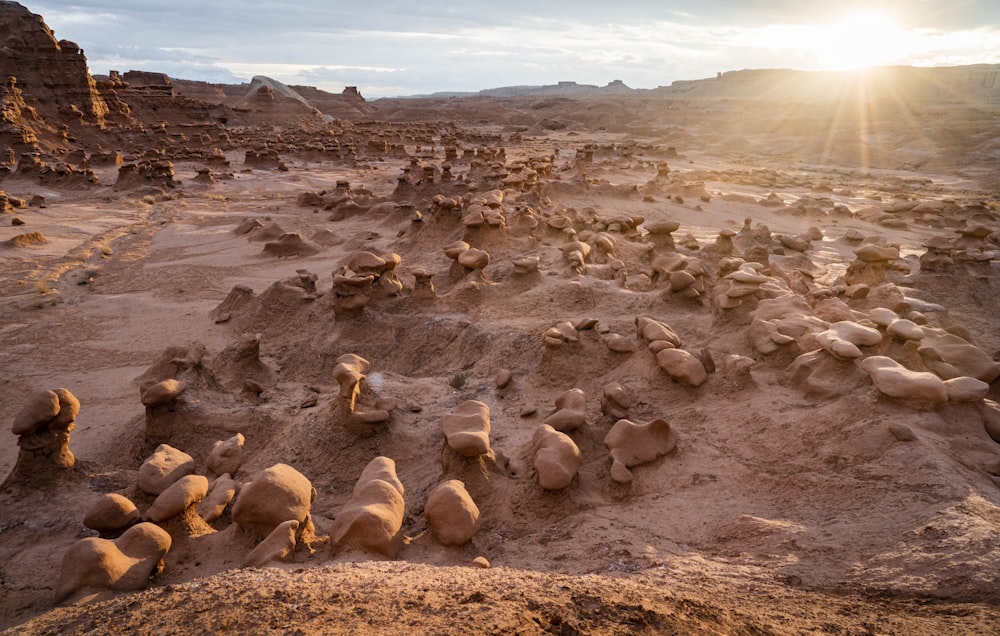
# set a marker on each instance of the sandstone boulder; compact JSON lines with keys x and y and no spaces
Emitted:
{"x":220,"y":493}
{"x":373,"y":517}
{"x":112,"y":514}
{"x":630,"y":444}
{"x":555,"y":457}
{"x":895,"y":380}
{"x":273,"y":496}
{"x":162,"y":393}
{"x":616,"y":401}
{"x":43,"y":429}
{"x":467,"y":429}
{"x":451,"y":513}
{"x":966,"y":389}
{"x":571,"y":411}
{"x":275,"y":547}
{"x":124,"y":564}
{"x":178,"y":497}
{"x":164,"y":467}
{"x":226,"y":456}
{"x":682,"y":366}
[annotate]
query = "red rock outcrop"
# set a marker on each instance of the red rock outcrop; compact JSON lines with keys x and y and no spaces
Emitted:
{"x":53,"y":74}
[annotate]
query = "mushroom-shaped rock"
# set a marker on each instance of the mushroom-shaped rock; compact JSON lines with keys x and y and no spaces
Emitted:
{"x":349,"y":373}
{"x":467,"y":428}
{"x":473,"y":258}
{"x":871,"y":264}
{"x":682,"y":366}
{"x":526,"y":265}
{"x":373,"y":517}
{"x":451,"y":513}
{"x":111,"y":514}
{"x":555,"y":456}
{"x":631,"y":444}
{"x":42,"y":408}
{"x":895,"y":380}
{"x":660,"y":232}
{"x":178,"y":497}
{"x":162,"y":393}
{"x":43,"y":427}
{"x":164,"y":467}
{"x":571,"y":411}
{"x":226,"y":456}
{"x":220,"y":493}
{"x":275,"y":546}
{"x":274,"y":495}
{"x":124,"y":564}
{"x":423,"y":286}
{"x":352,"y":293}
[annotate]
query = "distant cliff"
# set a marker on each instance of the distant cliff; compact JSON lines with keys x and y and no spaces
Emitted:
{"x":976,"y":83}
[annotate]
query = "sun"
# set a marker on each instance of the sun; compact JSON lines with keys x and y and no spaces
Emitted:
{"x":858,"y":41}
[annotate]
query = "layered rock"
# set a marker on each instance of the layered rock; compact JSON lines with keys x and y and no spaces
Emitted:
{"x":54,"y":73}
{"x":43,"y":428}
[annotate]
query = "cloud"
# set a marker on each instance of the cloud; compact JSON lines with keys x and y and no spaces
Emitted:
{"x":427,"y":46}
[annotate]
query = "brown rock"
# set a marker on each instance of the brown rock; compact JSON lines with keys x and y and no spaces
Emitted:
{"x":570,"y":413}
{"x":111,"y":514}
{"x":162,"y":393}
{"x":178,"y":497}
{"x":274,"y":495}
{"x":451,"y":513}
{"x":124,"y":564}
{"x":164,"y":467}
{"x":467,"y":428}
{"x":373,"y":517}
{"x":631,"y":444}
{"x":555,"y":457}
{"x":226,"y":456}
{"x":220,"y":493}
{"x":275,"y":547}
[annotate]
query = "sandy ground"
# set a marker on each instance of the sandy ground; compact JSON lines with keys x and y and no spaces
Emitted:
{"x":776,"y":513}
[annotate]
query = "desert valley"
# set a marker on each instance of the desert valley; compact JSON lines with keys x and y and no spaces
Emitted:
{"x":718,"y":357}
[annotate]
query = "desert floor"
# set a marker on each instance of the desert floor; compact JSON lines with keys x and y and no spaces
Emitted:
{"x":779,"y":511}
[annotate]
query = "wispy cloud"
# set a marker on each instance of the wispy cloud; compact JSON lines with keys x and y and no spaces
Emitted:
{"x":436,"y":45}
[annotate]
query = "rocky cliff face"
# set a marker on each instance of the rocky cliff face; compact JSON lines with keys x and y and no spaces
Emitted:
{"x":52,"y":74}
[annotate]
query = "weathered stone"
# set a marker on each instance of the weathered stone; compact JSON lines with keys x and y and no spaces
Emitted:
{"x":124,"y":564}
{"x":555,"y":457}
{"x":631,"y":444}
{"x":682,"y":366}
{"x":161,"y":469}
{"x":467,"y":428}
{"x":274,"y":495}
{"x":372,"y":518}
{"x":178,"y":497}
{"x":451,"y":513}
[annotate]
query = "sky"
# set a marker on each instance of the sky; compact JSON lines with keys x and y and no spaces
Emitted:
{"x":390,"y":48}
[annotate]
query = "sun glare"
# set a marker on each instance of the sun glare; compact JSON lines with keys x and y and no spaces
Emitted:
{"x":858,"y":41}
